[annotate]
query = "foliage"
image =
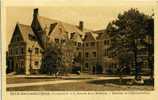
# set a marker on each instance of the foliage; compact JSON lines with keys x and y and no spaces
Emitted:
{"x":51,"y":59}
{"x":127,"y":32}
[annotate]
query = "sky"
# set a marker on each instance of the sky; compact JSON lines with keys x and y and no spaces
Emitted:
{"x":95,"y":16}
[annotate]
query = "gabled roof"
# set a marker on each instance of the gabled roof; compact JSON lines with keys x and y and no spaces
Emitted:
{"x":91,"y":35}
{"x":100,"y":33}
{"x":46,"y":22}
{"x":25,"y":30}
{"x":77,"y":38}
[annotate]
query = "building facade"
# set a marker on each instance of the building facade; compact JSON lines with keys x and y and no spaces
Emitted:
{"x":26,"y":48}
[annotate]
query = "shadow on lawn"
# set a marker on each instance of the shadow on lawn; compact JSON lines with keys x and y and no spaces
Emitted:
{"x":76,"y":78}
{"x":147,"y":82}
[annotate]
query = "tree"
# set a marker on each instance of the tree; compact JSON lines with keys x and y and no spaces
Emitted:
{"x":127,"y":32}
{"x":51,"y":59}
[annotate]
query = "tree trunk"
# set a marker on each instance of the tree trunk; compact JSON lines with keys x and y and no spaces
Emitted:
{"x":135,"y":60}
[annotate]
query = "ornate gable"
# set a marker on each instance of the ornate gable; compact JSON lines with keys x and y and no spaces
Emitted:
{"x":17,"y":35}
{"x":90,"y":36}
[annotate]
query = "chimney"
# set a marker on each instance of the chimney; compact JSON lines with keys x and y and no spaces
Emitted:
{"x":81,"y":25}
{"x":35,"y":13}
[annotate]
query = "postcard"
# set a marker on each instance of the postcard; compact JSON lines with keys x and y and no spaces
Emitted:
{"x":64,"y":49}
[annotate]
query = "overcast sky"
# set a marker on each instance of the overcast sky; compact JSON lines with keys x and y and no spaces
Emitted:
{"x":95,"y":17}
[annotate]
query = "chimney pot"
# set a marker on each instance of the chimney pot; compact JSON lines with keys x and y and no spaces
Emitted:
{"x":81,"y":25}
{"x":35,"y":12}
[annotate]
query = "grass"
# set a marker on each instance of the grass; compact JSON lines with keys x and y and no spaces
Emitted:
{"x":27,"y":80}
{"x":97,"y":85}
{"x":147,"y":82}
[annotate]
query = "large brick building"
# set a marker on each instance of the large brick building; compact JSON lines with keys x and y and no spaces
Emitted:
{"x":28,"y":42}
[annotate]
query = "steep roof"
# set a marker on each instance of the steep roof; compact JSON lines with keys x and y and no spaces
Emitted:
{"x":25,"y":30}
{"x":91,"y":35}
{"x":77,"y":38}
{"x":99,"y":31}
{"x":46,"y":22}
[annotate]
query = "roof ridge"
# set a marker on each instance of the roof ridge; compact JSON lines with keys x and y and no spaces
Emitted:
{"x":23,"y":24}
{"x":57,"y":20}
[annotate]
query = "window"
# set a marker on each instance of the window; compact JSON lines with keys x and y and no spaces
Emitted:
{"x":62,"y":41}
{"x":87,"y":54}
{"x":36,"y":50}
{"x":75,"y":43}
{"x":79,"y":54}
{"x":79,"y":44}
{"x":17,"y":38}
{"x":86,"y":44}
{"x":22,"y":50}
{"x":106,"y":52}
{"x":86,"y":65}
{"x":57,"y":40}
{"x":94,"y":54}
{"x":10,"y":51}
{"x":72,"y":35}
{"x":106,"y":42}
{"x":92,"y":43}
{"x":61,"y":30}
{"x":36,"y":63}
{"x":16,"y":51}
{"x":83,"y":44}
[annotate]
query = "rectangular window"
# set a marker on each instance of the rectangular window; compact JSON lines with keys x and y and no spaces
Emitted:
{"x":16,"y":51}
{"x":79,"y":54}
{"x":62,"y":41}
{"x":92,"y":43}
{"x":36,"y":50}
{"x":106,"y":52}
{"x":10,"y":52}
{"x":104,"y":42}
{"x":36,"y":63}
{"x":75,"y":43}
{"x":22,"y":50}
{"x":79,"y":44}
{"x":94,"y":54}
{"x":57,"y":40}
{"x":86,"y":44}
{"x":108,"y":42}
{"x":86,"y":65}
{"x":17,"y":39}
{"x":87,"y":54}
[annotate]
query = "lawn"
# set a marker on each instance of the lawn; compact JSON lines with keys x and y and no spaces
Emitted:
{"x":27,"y":80}
{"x":95,"y":85}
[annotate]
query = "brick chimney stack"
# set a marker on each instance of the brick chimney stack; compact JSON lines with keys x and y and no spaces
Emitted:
{"x":81,"y":25}
{"x":35,"y":13}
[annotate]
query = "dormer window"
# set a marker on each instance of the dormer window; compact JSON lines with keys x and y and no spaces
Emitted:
{"x":36,"y":50}
{"x":57,"y":40}
{"x":61,"y":30}
{"x":72,"y":35}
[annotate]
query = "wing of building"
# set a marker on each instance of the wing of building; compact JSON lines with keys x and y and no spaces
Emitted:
{"x":28,"y":43}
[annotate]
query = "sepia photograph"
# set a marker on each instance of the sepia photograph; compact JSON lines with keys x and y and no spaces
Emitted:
{"x":80,"y":48}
